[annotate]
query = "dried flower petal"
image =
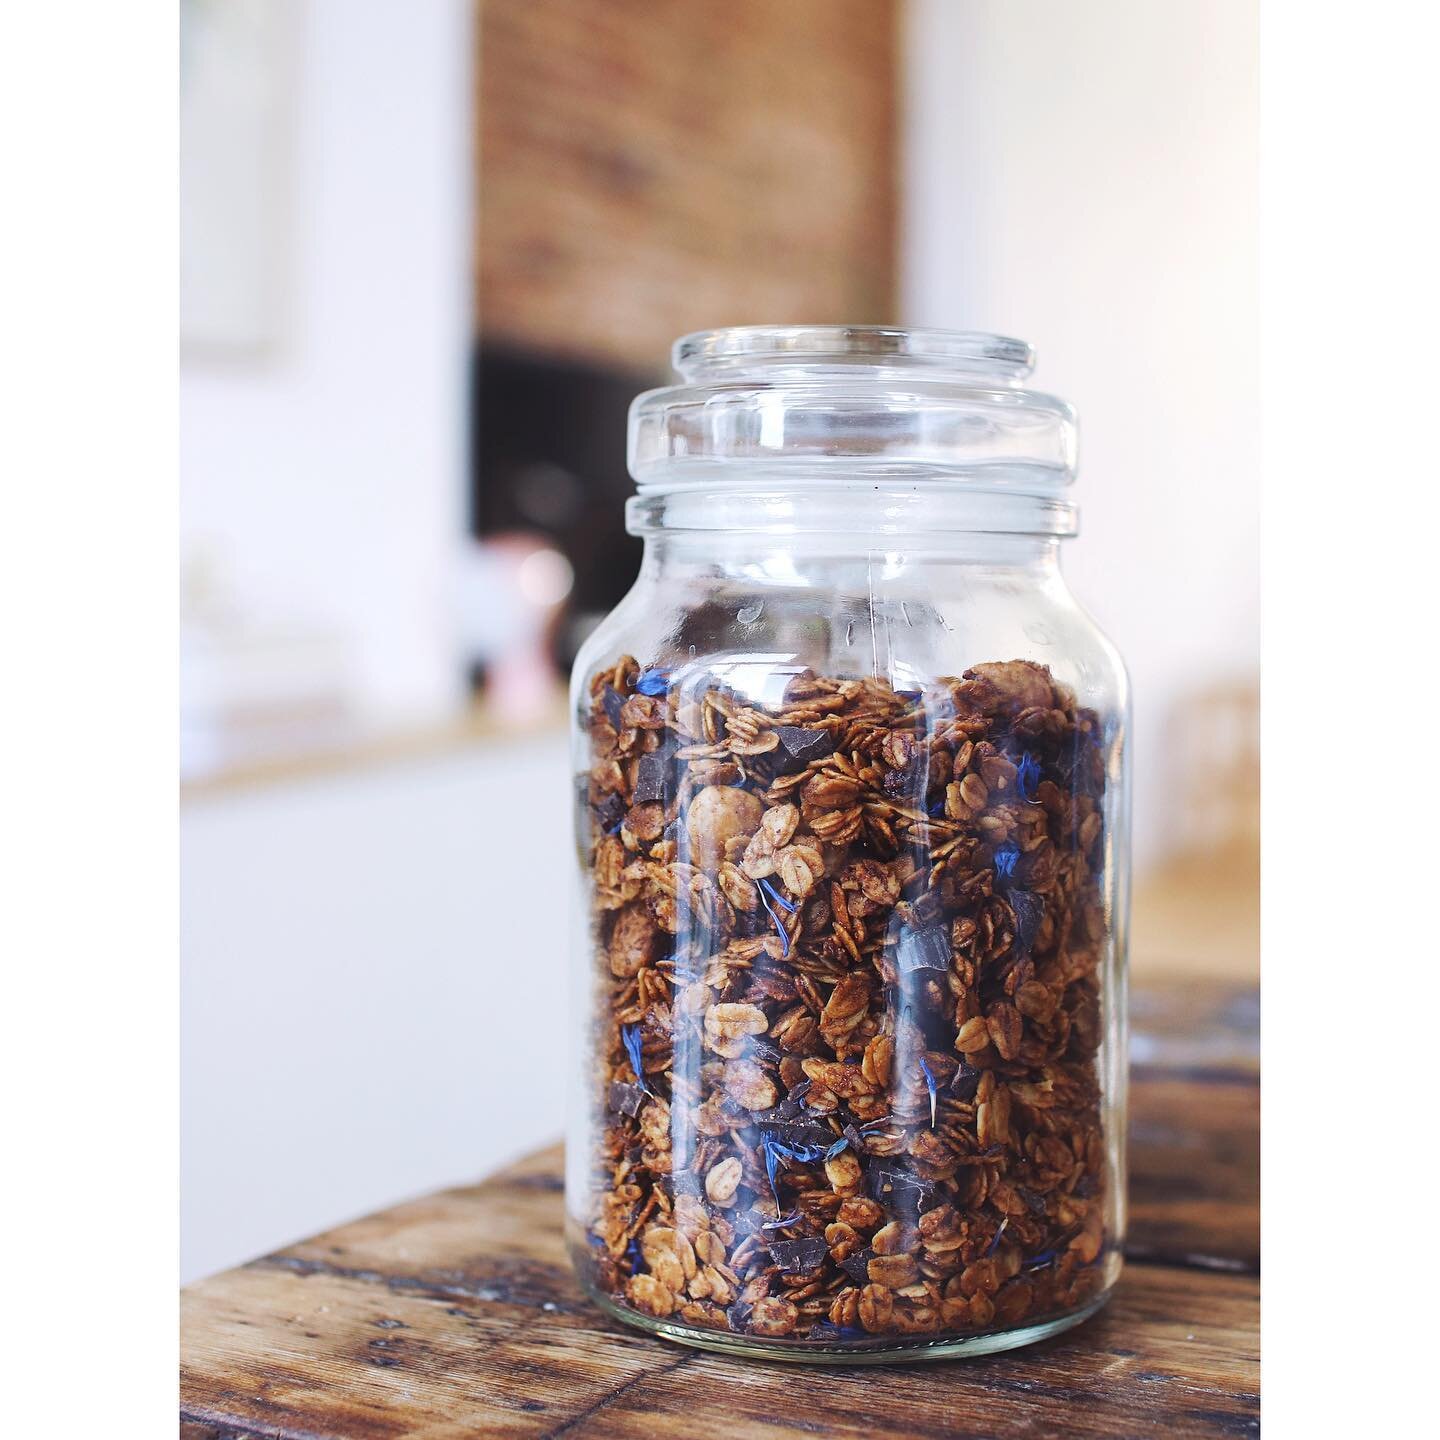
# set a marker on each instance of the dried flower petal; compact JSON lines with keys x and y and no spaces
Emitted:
{"x":931,"y":1086}
{"x":766,"y":901}
{"x":1027,"y":776}
{"x":630,"y":1037}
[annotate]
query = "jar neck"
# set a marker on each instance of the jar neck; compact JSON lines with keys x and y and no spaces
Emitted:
{"x":919,"y":513}
{"x":809,"y":550}
{"x":820,"y":562}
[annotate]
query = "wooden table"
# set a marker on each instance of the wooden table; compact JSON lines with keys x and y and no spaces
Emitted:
{"x":456,"y":1315}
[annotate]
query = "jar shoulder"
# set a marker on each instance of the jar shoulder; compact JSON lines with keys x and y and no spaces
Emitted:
{"x":914,"y":625}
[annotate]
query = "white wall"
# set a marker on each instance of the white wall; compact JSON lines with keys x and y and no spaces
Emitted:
{"x":372,"y":990}
{"x":1084,"y":175}
{"x":350,"y":945}
{"x":323,"y":478}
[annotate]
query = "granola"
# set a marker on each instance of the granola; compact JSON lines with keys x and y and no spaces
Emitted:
{"x":849,"y":1005}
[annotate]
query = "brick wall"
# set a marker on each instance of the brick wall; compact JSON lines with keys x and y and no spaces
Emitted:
{"x":648,"y":167}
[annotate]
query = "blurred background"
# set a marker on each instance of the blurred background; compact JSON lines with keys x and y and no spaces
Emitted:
{"x":430,"y":249}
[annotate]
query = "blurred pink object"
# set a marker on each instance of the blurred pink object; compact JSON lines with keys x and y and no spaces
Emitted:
{"x":512,"y":590}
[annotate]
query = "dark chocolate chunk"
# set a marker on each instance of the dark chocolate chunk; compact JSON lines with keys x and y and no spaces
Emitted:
{"x":613,"y":702}
{"x":824,"y":1330}
{"x":899,"y":1186}
{"x":966,"y":1081}
{"x":610,"y":812}
{"x":910,"y":782}
{"x":896,"y":782}
{"x":626,"y":1098}
{"x":1029,"y":911}
{"x":1065,"y":763}
{"x":654,"y":776}
{"x":857,"y":1266}
{"x":766,"y":1051}
{"x":749,"y":923}
{"x":799,"y":745}
{"x":790,"y":1108}
{"x":927,"y":949}
{"x":1036,"y":1203}
{"x":798,"y":1133}
{"x":793,"y":1256}
{"x":1081,"y":769}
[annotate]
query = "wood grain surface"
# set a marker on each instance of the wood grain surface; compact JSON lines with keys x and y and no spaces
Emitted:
{"x":456,"y":1315}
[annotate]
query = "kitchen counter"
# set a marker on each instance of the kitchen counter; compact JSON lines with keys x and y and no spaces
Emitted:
{"x":456,"y":1314}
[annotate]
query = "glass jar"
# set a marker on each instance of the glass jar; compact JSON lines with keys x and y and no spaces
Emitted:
{"x":852,"y":827}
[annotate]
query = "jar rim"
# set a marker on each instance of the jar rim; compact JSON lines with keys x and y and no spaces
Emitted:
{"x":704,"y":352}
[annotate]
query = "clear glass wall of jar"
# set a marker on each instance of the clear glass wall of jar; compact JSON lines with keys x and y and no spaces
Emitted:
{"x":852,"y":815}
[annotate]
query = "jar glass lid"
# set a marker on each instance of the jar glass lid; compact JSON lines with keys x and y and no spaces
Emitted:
{"x":797,"y":401}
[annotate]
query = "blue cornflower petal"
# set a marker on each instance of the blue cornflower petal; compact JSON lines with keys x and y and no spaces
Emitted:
{"x":802,"y":1152}
{"x":777,"y":897}
{"x":781,"y":1221}
{"x":1005,"y":858}
{"x":931,"y":1085}
{"x":777,"y":1150}
{"x":653,"y":682}
{"x":836,"y":1148}
{"x":770,"y":1168}
{"x":1027,"y":775}
{"x":774,"y":919}
{"x":630,"y":1038}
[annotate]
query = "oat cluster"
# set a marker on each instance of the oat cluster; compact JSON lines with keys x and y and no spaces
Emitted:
{"x":848,"y":1003}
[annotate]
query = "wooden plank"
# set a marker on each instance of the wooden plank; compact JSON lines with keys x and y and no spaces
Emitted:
{"x":457,"y":1315}
{"x":1195,"y":1125}
{"x":1195,"y":1172}
{"x":280,"y":1353}
{"x":1196,"y":1026}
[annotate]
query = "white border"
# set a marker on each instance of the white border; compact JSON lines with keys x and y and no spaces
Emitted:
{"x":87,"y":778}
{"x":1351,"y":323}
{"x":1350,"y":331}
